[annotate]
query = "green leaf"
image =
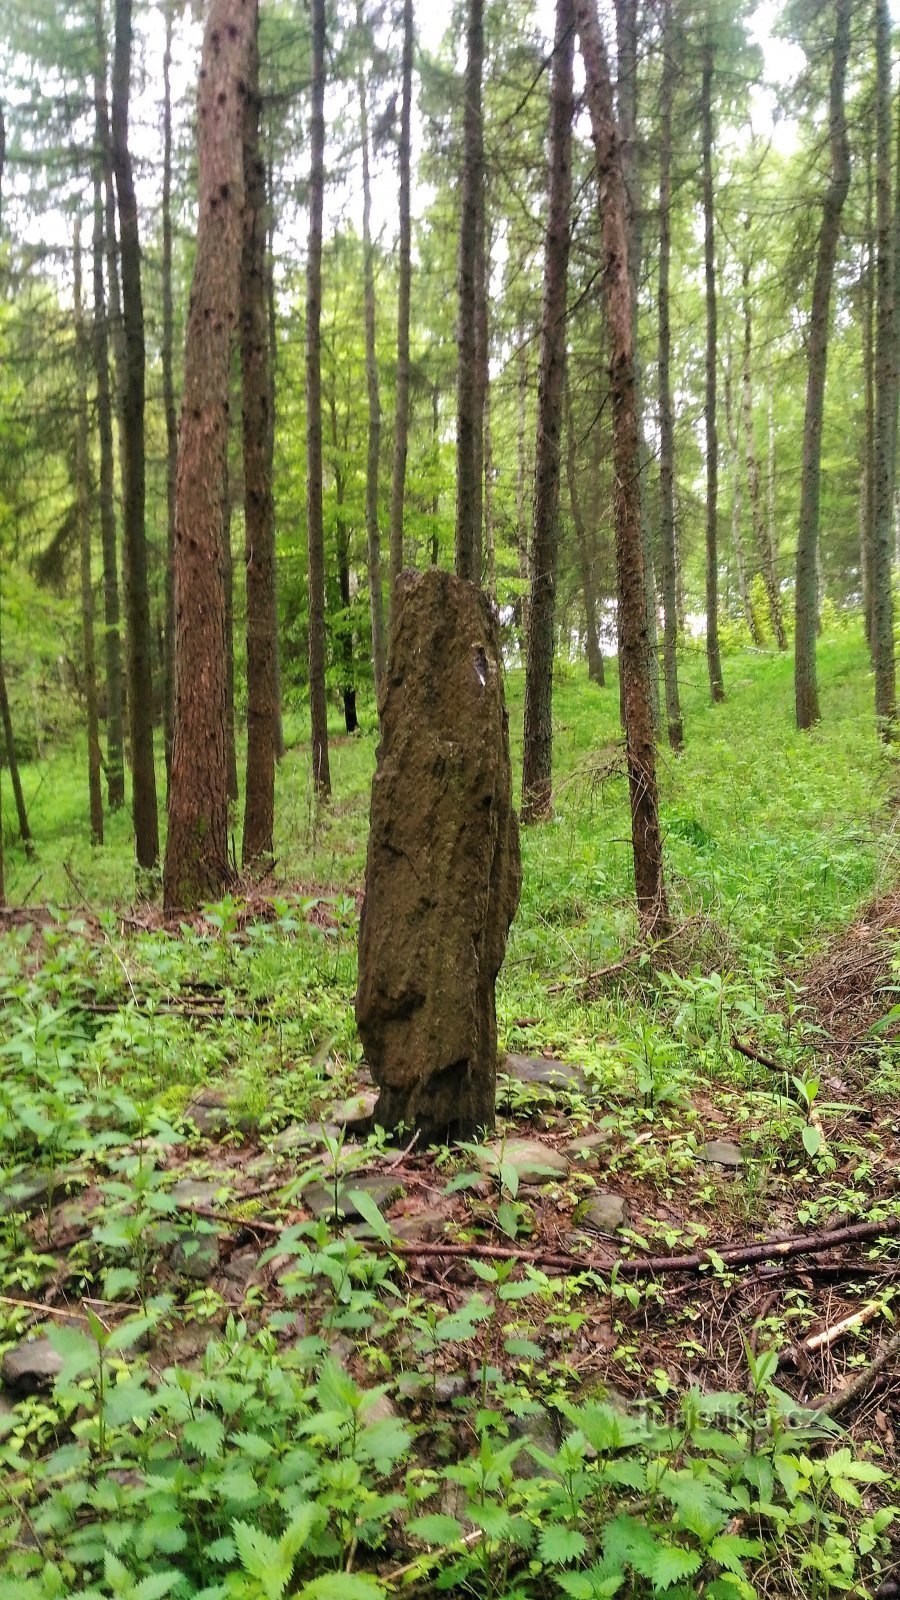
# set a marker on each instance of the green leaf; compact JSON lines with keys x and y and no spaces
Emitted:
{"x":262,"y":1559}
{"x":128,"y":1333}
{"x":508,"y":1218}
{"x":812,"y":1139}
{"x":559,"y":1545}
{"x":370,"y":1213}
{"x":342,"y":1586}
{"x":205,"y":1434}
{"x":671,"y":1564}
{"x":730,"y":1550}
{"x":156,"y":1585}
{"x":77,"y":1351}
{"x":435,"y":1529}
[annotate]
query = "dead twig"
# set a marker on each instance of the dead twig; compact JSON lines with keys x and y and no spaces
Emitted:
{"x":833,"y":1404}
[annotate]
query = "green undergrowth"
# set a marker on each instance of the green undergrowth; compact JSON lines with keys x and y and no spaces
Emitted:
{"x":304,"y":1450}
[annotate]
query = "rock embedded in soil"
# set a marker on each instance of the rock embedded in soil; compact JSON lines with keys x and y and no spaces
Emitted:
{"x":318,"y":1198}
{"x":604,"y":1212}
{"x":196,"y":1256}
{"x":543,"y":1071}
{"x":721,"y":1153}
{"x":535,"y":1162}
{"x":30,"y":1191}
{"x":423,"y":1226}
{"x":585,"y":1153}
{"x":443,"y":872}
{"x":355,"y":1114}
{"x":30,"y":1367}
{"x":191,"y":1192}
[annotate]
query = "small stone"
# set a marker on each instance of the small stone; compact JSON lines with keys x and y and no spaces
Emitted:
{"x":537,"y":1430}
{"x":31,"y":1190}
{"x":186,"y":1346}
{"x":604,"y":1212}
{"x":208,"y":1111}
{"x":191,"y":1192}
{"x":449,"y":1386}
{"x":379,"y":1409}
{"x":31,"y":1366}
{"x":585,"y":1152}
{"x":721,"y":1152}
{"x":422,"y":1225}
{"x":319,"y":1197}
{"x":241,"y":1267}
{"x":196,"y":1255}
{"x":298,"y":1135}
{"x":356,"y":1113}
{"x":411,"y":1384}
{"x":534,"y":1161}
{"x":543,"y":1070}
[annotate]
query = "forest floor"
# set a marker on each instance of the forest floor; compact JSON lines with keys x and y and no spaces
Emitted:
{"x":249,"y":1350}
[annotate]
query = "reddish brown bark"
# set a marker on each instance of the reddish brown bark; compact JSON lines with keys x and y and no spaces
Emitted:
{"x":468,"y":417}
{"x":640,"y":747}
{"x":197,"y":867}
{"x":83,"y":506}
{"x":315,"y":528}
{"x":259,"y":509}
{"x":401,"y":415}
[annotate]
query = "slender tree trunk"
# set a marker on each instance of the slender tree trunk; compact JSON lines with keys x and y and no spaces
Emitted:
{"x":315,"y":525}
{"x":342,"y":542}
{"x":401,"y":414}
{"x":373,"y":454}
{"x":732,"y":425}
{"x":806,"y":609}
{"x":197,"y":866}
{"x":12,"y":762}
{"x":867,"y":476}
{"x":484,"y":508}
{"x":436,"y":461}
{"x":596,"y":669}
{"x":771,"y":463}
{"x":490,"y":549}
{"x":666,"y":418}
{"x":626,"y":91}
{"x":714,"y":662}
{"x":468,"y":418}
{"x":137,"y":594}
{"x":83,"y":508}
{"x":231,"y":772}
{"x":885,"y":386}
{"x":767,"y":556}
{"x":537,"y":753}
{"x":259,"y":508}
{"x":168,"y":382}
{"x":523,"y":533}
{"x":632,"y":594}
{"x":272,"y":317}
{"x":112,"y":643}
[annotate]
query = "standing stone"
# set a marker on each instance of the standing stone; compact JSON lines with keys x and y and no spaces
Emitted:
{"x":443,"y":873}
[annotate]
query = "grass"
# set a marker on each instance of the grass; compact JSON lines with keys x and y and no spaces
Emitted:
{"x":774,"y":841}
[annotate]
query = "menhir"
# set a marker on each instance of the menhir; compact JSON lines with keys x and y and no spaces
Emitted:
{"x":443,"y":874}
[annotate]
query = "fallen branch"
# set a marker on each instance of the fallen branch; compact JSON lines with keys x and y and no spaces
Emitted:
{"x":826,"y":1337}
{"x":753,"y":1054}
{"x":833,"y":1404}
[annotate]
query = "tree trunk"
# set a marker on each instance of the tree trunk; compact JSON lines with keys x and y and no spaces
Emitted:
{"x":867,"y":476}
{"x":626,"y":91}
{"x":342,"y":543}
{"x":767,"y":555}
{"x":436,"y":461}
{"x":468,"y":417}
{"x":12,"y":762}
{"x":666,"y":418}
{"x":537,"y":752}
{"x":523,"y":534}
{"x":373,"y":454}
{"x":485,"y":555}
{"x":806,"y":608}
{"x":197,"y":867}
{"x":137,"y":594}
{"x":83,"y":507}
{"x":401,"y":415}
{"x":714,"y":662}
{"x":315,"y":525}
{"x":259,"y":509}
{"x":231,"y":773}
{"x":596,"y":669}
{"x":632,"y":595}
{"x":168,"y":383}
{"x":733,"y":426}
{"x":885,"y":386}
{"x":490,"y":548}
{"x":112,"y":643}
{"x":272,"y":320}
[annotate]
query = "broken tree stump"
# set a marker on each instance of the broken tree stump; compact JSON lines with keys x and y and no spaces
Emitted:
{"x":443,"y":873}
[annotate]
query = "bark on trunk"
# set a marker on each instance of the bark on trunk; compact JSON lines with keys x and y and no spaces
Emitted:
{"x":885,"y":386}
{"x":259,"y":509}
{"x":596,"y":669}
{"x":272,"y":323}
{"x":767,"y":555}
{"x":867,"y":476}
{"x":401,"y":414}
{"x":486,"y":557}
{"x":12,"y":761}
{"x":627,"y":97}
{"x":342,"y":543}
{"x":197,"y":865}
{"x":112,"y":642}
{"x":137,"y":594}
{"x":732,"y":426}
{"x":373,"y":454}
{"x":714,"y":662}
{"x":666,"y":419}
{"x":315,"y":528}
{"x":806,"y":692}
{"x":523,"y":532}
{"x":231,"y":775}
{"x":537,"y":753}
{"x":468,"y":419}
{"x":83,"y":507}
{"x":168,"y":382}
{"x":632,"y":595}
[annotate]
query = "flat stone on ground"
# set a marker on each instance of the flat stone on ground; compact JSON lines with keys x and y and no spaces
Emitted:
{"x":604,"y":1212}
{"x":543,"y":1070}
{"x":424,"y":1225}
{"x":355,"y":1113}
{"x":30,"y":1366}
{"x":534,"y":1161}
{"x":585,"y":1152}
{"x":191,"y":1192}
{"x":721,"y":1152}
{"x":196,"y":1255}
{"x":319,"y":1197}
